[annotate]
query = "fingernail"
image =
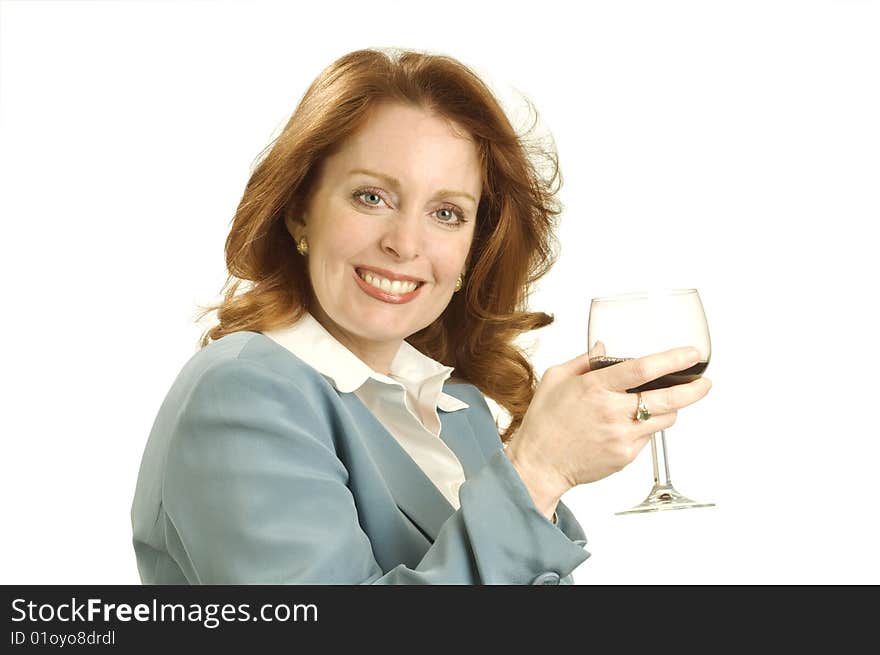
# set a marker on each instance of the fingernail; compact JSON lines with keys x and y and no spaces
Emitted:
{"x":693,"y":355}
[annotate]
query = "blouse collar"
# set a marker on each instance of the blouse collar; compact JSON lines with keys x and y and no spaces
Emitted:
{"x":311,"y":342}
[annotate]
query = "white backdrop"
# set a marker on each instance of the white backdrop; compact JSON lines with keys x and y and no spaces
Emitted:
{"x":729,"y":146}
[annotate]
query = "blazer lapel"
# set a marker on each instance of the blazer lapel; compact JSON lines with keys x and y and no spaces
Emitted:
{"x":413,"y":491}
{"x":458,"y":434}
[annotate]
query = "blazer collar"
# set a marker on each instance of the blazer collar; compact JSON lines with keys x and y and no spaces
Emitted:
{"x":415,"y":494}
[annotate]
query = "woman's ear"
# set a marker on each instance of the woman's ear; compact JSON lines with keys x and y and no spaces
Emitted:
{"x":296,"y":228}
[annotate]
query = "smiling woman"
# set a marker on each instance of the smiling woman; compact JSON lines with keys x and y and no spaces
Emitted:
{"x":389,"y":237}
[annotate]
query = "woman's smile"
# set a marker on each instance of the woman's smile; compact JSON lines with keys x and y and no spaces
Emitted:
{"x":381,"y":288}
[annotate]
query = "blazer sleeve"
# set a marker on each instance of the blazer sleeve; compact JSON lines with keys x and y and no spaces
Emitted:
{"x":255,"y":494}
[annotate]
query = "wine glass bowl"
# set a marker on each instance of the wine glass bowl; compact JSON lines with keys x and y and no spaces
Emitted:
{"x":632,"y":325}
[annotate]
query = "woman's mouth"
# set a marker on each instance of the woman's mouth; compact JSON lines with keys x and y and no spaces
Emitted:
{"x":380,"y":288}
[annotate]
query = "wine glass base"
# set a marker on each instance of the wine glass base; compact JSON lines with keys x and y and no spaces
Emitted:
{"x":663,"y":497}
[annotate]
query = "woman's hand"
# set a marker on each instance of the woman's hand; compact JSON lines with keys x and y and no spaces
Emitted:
{"x":579,"y":427}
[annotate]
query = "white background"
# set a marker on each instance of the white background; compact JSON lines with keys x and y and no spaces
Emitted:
{"x":729,"y":146}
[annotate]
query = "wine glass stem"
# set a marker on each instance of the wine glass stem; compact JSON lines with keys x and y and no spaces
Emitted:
{"x":665,"y":457}
{"x":654,"y":459}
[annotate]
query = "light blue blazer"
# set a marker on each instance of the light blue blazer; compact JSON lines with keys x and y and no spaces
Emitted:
{"x":258,"y":471}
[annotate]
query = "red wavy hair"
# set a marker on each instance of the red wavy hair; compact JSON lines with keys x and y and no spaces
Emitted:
{"x":514,"y":242}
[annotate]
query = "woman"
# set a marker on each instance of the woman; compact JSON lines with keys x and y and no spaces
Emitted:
{"x":389,"y":237}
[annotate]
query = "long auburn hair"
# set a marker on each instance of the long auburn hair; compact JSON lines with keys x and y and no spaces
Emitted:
{"x":514,"y":241}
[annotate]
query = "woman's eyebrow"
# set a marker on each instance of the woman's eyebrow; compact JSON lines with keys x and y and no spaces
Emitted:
{"x":394,"y":182}
{"x":449,"y":193}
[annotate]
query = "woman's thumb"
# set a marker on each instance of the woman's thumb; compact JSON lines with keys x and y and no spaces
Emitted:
{"x":581,"y":364}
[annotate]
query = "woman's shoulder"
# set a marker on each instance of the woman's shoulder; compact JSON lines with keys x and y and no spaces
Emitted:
{"x":229,"y":346}
{"x":456,"y":386}
{"x":253,"y":351}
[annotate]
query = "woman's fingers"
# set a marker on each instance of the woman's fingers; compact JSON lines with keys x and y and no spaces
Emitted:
{"x":655,"y":424}
{"x":671,"y":399}
{"x":598,"y":350}
{"x":632,"y":373}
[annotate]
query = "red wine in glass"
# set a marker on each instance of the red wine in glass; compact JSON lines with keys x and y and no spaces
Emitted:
{"x":669,"y":380}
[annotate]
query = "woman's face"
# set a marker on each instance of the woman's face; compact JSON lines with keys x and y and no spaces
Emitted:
{"x":398,"y":201}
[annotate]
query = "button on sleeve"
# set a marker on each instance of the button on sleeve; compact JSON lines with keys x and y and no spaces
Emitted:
{"x":548,"y":578}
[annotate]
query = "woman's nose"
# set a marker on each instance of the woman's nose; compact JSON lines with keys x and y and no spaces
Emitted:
{"x":403,"y":237}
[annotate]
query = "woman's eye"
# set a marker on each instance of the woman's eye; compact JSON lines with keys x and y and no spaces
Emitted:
{"x":450,"y":216}
{"x":368,"y":197}
{"x":371,"y":198}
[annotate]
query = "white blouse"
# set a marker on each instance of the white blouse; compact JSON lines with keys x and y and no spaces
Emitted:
{"x":405,"y":401}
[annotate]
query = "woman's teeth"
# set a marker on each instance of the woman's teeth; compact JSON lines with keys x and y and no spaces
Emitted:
{"x":397,"y":286}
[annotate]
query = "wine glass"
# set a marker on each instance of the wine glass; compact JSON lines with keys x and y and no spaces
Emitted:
{"x":633,"y":325}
